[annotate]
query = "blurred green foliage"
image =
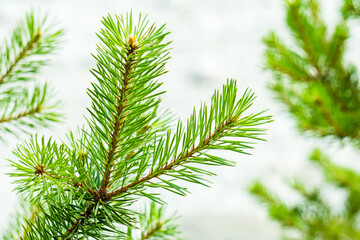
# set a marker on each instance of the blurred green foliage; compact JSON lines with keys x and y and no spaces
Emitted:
{"x":25,"y":102}
{"x":321,"y":91}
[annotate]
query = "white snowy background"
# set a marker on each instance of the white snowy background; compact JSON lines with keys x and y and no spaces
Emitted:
{"x":212,"y":40}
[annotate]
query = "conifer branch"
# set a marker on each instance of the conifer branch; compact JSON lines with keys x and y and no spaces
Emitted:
{"x":351,"y":9}
{"x":329,"y":118}
{"x":32,"y":37}
{"x":89,"y":185}
{"x":31,"y":219}
{"x":20,"y":223}
{"x":154,"y":224}
{"x":152,"y":231}
{"x":31,"y":108}
{"x":24,"y":105}
{"x":78,"y":222}
{"x":27,"y":113}
{"x":119,"y":117}
{"x":299,"y":27}
{"x":326,"y":103}
{"x":23,"y":53}
{"x":318,"y":74}
{"x":178,"y":161}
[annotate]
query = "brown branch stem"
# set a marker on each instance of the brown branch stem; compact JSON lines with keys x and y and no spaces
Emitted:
{"x":29,"y":46}
{"x":328,"y":117}
{"x":169,"y":166}
{"x":174,"y":162}
{"x":31,"y":219}
{"x":119,"y":118}
{"x":29,"y":112}
{"x":151,"y":231}
{"x":79,"y":221}
{"x":305,"y":38}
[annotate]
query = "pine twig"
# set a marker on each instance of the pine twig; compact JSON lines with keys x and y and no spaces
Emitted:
{"x":29,"y":46}
{"x":27,"y":113}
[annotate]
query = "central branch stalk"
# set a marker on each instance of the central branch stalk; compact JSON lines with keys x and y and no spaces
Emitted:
{"x":29,"y":46}
{"x":119,"y":116}
{"x":118,"y":123}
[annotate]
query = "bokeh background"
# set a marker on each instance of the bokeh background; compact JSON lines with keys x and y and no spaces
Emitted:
{"x":212,"y":40}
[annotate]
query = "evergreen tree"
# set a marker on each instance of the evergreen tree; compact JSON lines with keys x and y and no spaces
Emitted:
{"x":322,"y":93}
{"x":85,"y":187}
{"x":25,"y":102}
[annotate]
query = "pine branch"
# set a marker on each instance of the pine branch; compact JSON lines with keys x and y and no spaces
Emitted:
{"x":154,"y":223}
{"x":282,"y":59}
{"x":29,"y":112}
{"x":303,"y":31}
{"x":78,"y":222}
{"x":89,"y":184}
{"x":24,"y":105}
{"x":118,"y":122}
{"x":218,"y":132}
{"x":33,"y":216}
{"x":351,"y":9}
{"x":32,"y":108}
{"x":152,"y":231}
{"x":19,"y":223}
{"x":29,"y":46}
{"x":312,"y":84}
{"x":317,"y":74}
{"x":22,"y":55}
{"x":329,"y":118}
{"x":343,"y":177}
{"x":225,"y":129}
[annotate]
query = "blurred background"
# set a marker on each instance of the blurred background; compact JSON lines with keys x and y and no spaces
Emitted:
{"x":212,"y":40}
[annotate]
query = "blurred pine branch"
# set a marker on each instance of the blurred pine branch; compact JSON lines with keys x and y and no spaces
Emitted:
{"x":24,"y":101}
{"x":321,"y":91}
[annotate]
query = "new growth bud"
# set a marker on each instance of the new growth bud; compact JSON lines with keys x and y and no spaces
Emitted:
{"x":133,"y":42}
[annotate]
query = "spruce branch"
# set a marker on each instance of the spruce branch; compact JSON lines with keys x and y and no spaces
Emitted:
{"x":303,"y":27}
{"x":33,"y":108}
{"x":343,"y":177}
{"x":191,"y":153}
{"x":313,"y":217}
{"x":29,"y":112}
